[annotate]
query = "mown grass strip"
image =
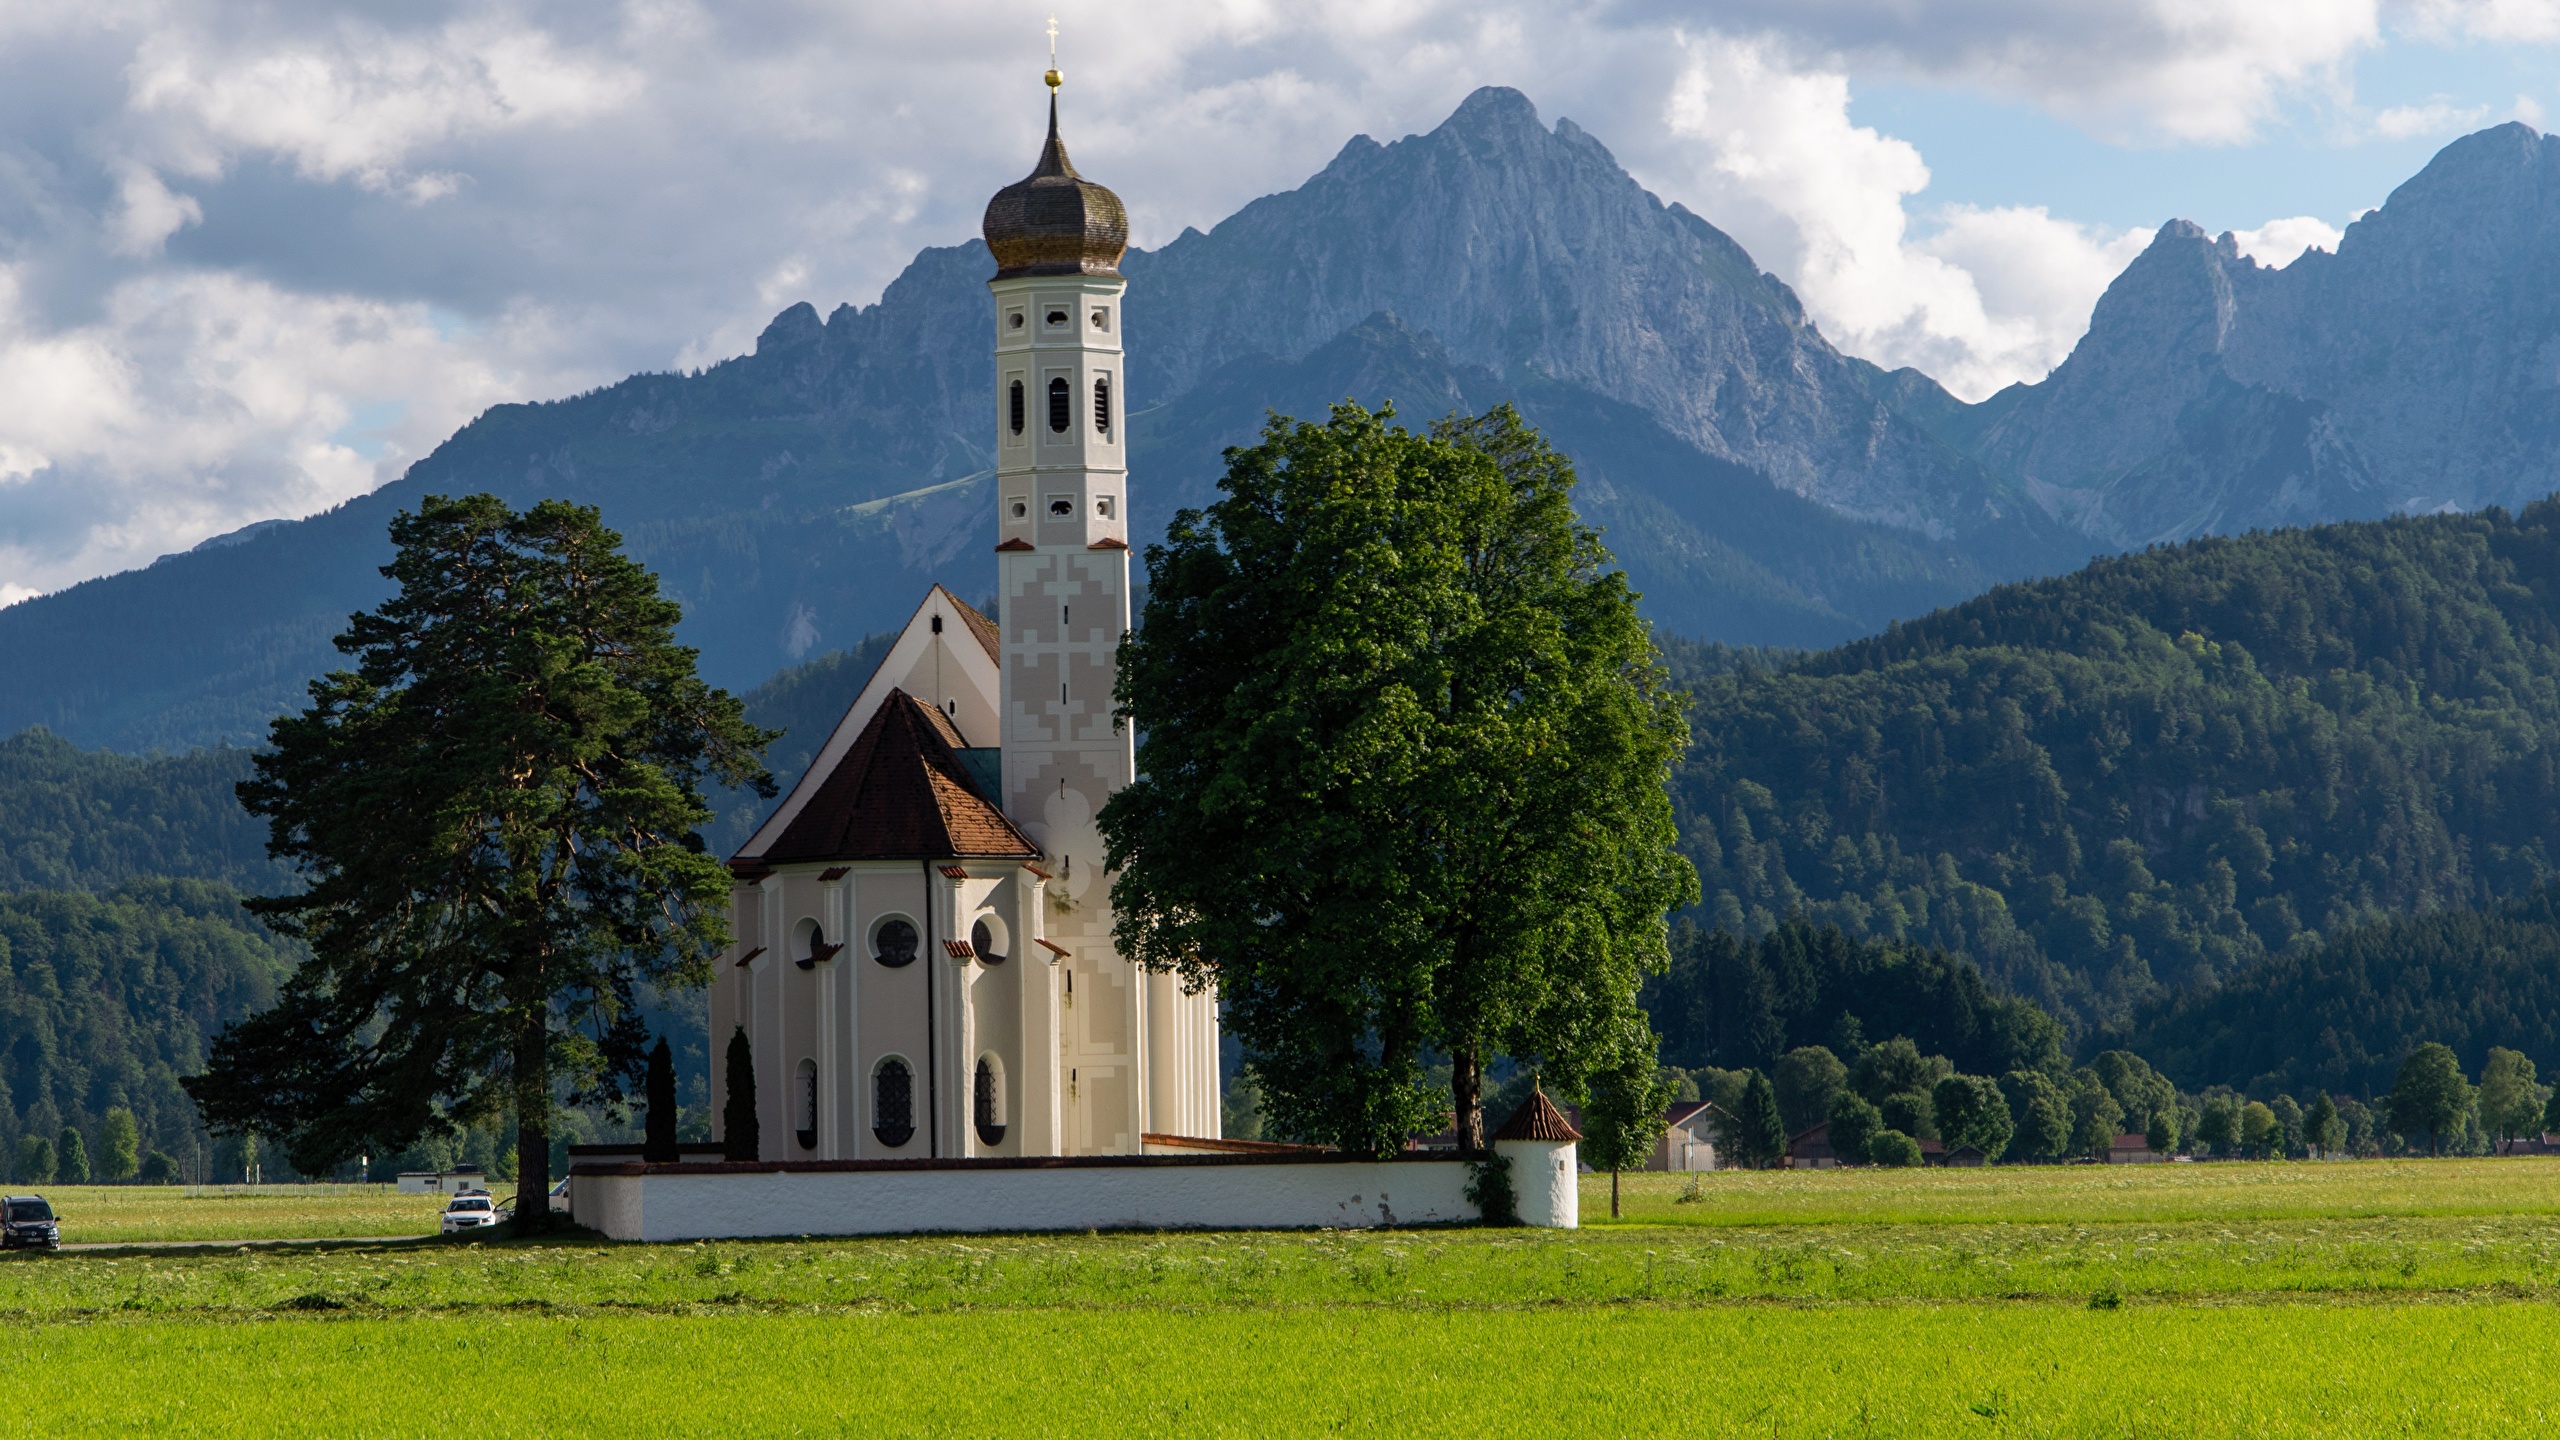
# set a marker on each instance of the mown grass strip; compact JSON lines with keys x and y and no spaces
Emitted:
{"x":1449,"y":1268}
{"x":1972,"y":1369}
{"x":2087,"y":1194}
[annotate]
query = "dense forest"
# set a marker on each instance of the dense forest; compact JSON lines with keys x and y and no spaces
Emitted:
{"x":106,"y":999}
{"x":123,"y":947}
{"x":1733,"y":1003}
{"x":73,"y":819}
{"x":2159,"y":771}
{"x":2341,"y":1015}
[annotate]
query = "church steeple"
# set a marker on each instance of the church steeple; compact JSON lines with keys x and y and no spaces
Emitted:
{"x":1054,"y":221}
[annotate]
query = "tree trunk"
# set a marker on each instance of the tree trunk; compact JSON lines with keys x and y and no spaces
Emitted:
{"x":1466,"y":1087}
{"x":533,"y":1130}
{"x":1613,"y":1194}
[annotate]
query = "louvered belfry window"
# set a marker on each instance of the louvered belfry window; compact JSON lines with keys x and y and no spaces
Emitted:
{"x":1102,"y":405}
{"x":1058,"y":405}
{"x":1017,"y":407}
{"x":893,"y":1103}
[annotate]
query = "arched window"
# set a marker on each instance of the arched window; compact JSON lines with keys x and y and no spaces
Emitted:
{"x":1102,"y":405}
{"x":893,"y":1103}
{"x":806,"y":1132}
{"x":893,"y":942}
{"x":1058,"y":405}
{"x":809,"y":945}
{"x":988,"y":939}
{"x":1017,"y":407}
{"x":989,"y":1096}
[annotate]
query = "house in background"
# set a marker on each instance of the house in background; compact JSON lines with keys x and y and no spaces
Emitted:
{"x":2133,"y":1150}
{"x":1690,"y":1132}
{"x":460,"y":1180}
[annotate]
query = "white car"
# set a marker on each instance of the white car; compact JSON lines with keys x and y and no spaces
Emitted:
{"x":474,"y":1211}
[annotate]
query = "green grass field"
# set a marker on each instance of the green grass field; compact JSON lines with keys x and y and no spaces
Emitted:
{"x":144,"y":1214}
{"x":2346,"y":1300}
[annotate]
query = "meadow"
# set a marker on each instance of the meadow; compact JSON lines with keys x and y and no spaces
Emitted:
{"x":2374,"y":1298}
{"x":130,"y":1214}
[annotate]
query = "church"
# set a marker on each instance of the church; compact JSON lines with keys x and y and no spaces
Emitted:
{"x":922,"y":959}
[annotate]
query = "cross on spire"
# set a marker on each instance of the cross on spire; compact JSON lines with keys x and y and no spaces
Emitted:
{"x":1053,"y":77}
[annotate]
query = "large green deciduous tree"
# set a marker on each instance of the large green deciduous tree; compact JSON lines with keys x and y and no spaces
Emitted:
{"x":2429,"y":1095}
{"x":1402,"y":775}
{"x":495,"y":812}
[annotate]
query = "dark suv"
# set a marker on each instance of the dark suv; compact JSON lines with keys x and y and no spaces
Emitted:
{"x":27,"y":1223}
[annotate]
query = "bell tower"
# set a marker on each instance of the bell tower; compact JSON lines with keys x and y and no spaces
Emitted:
{"x":1136,"y":1055}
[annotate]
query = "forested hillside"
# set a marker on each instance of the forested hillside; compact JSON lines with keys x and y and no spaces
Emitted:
{"x":106,"y":999}
{"x":73,"y":819}
{"x":2341,"y":1015}
{"x":1732,"y":1003}
{"x":123,"y":948}
{"x":2159,"y":770}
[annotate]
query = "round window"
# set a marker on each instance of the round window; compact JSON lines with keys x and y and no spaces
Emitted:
{"x":987,"y":938}
{"x":894,"y":943}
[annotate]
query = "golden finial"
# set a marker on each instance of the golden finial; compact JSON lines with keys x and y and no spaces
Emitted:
{"x":1053,"y":77}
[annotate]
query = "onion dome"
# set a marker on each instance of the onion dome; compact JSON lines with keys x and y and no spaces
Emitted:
{"x":1054,"y":221}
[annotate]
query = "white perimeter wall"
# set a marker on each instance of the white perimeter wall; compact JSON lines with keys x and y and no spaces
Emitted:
{"x":688,"y":1203}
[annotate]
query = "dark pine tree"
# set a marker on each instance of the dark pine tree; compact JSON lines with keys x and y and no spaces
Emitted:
{"x":738,"y":1117}
{"x":660,"y":1148}
{"x":1763,"y":1141}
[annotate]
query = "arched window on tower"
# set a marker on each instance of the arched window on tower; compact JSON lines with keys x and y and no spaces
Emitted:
{"x":987,"y":938}
{"x":893,"y":1103}
{"x":1017,"y":407}
{"x":1058,"y":405}
{"x":1102,"y":405}
{"x":988,"y":1109}
{"x":807,"y":1129}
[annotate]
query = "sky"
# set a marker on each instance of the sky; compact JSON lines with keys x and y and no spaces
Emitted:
{"x":258,"y":258}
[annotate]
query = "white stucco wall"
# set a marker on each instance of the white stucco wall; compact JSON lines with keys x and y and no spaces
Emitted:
{"x":1544,"y":1182}
{"x":711,"y":1202}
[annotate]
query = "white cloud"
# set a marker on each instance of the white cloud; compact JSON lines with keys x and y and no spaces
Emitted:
{"x":148,"y":213}
{"x":2179,"y":70}
{"x":231,"y":226}
{"x":2408,"y":122}
{"x":2281,"y":242}
{"x":197,"y":401}
{"x":1992,"y":297}
{"x":359,"y":103}
{"x":2523,"y":20}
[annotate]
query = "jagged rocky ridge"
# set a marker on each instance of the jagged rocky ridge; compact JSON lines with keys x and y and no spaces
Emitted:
{"x":2416,"y":369}
{"x":802,"y":496}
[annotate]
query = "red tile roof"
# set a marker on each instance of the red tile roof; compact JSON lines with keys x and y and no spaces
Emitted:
{"x":1016,"y":545}
{"x":980,"y":626}
{"x":900,"y":793}
{"x":1537,"y":1119}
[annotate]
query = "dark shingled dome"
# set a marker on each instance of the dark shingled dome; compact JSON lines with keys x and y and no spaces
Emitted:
{"x":1055,"y":222}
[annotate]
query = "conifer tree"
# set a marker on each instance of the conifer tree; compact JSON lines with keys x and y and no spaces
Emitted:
{"x":738,"y":1137}
{"x":495,"y":813}
{"x":71,"y":1162}
{"x":659,"y":1147}
{"x":1763,"y":1138}
{"x":2324,"y":1126}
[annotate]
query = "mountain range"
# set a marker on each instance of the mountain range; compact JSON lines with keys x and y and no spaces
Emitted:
{"x":1760,"y":487}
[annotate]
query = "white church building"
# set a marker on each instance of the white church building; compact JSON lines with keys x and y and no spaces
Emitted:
{"x":923,"y":960}
{"x":943,"y":1032}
